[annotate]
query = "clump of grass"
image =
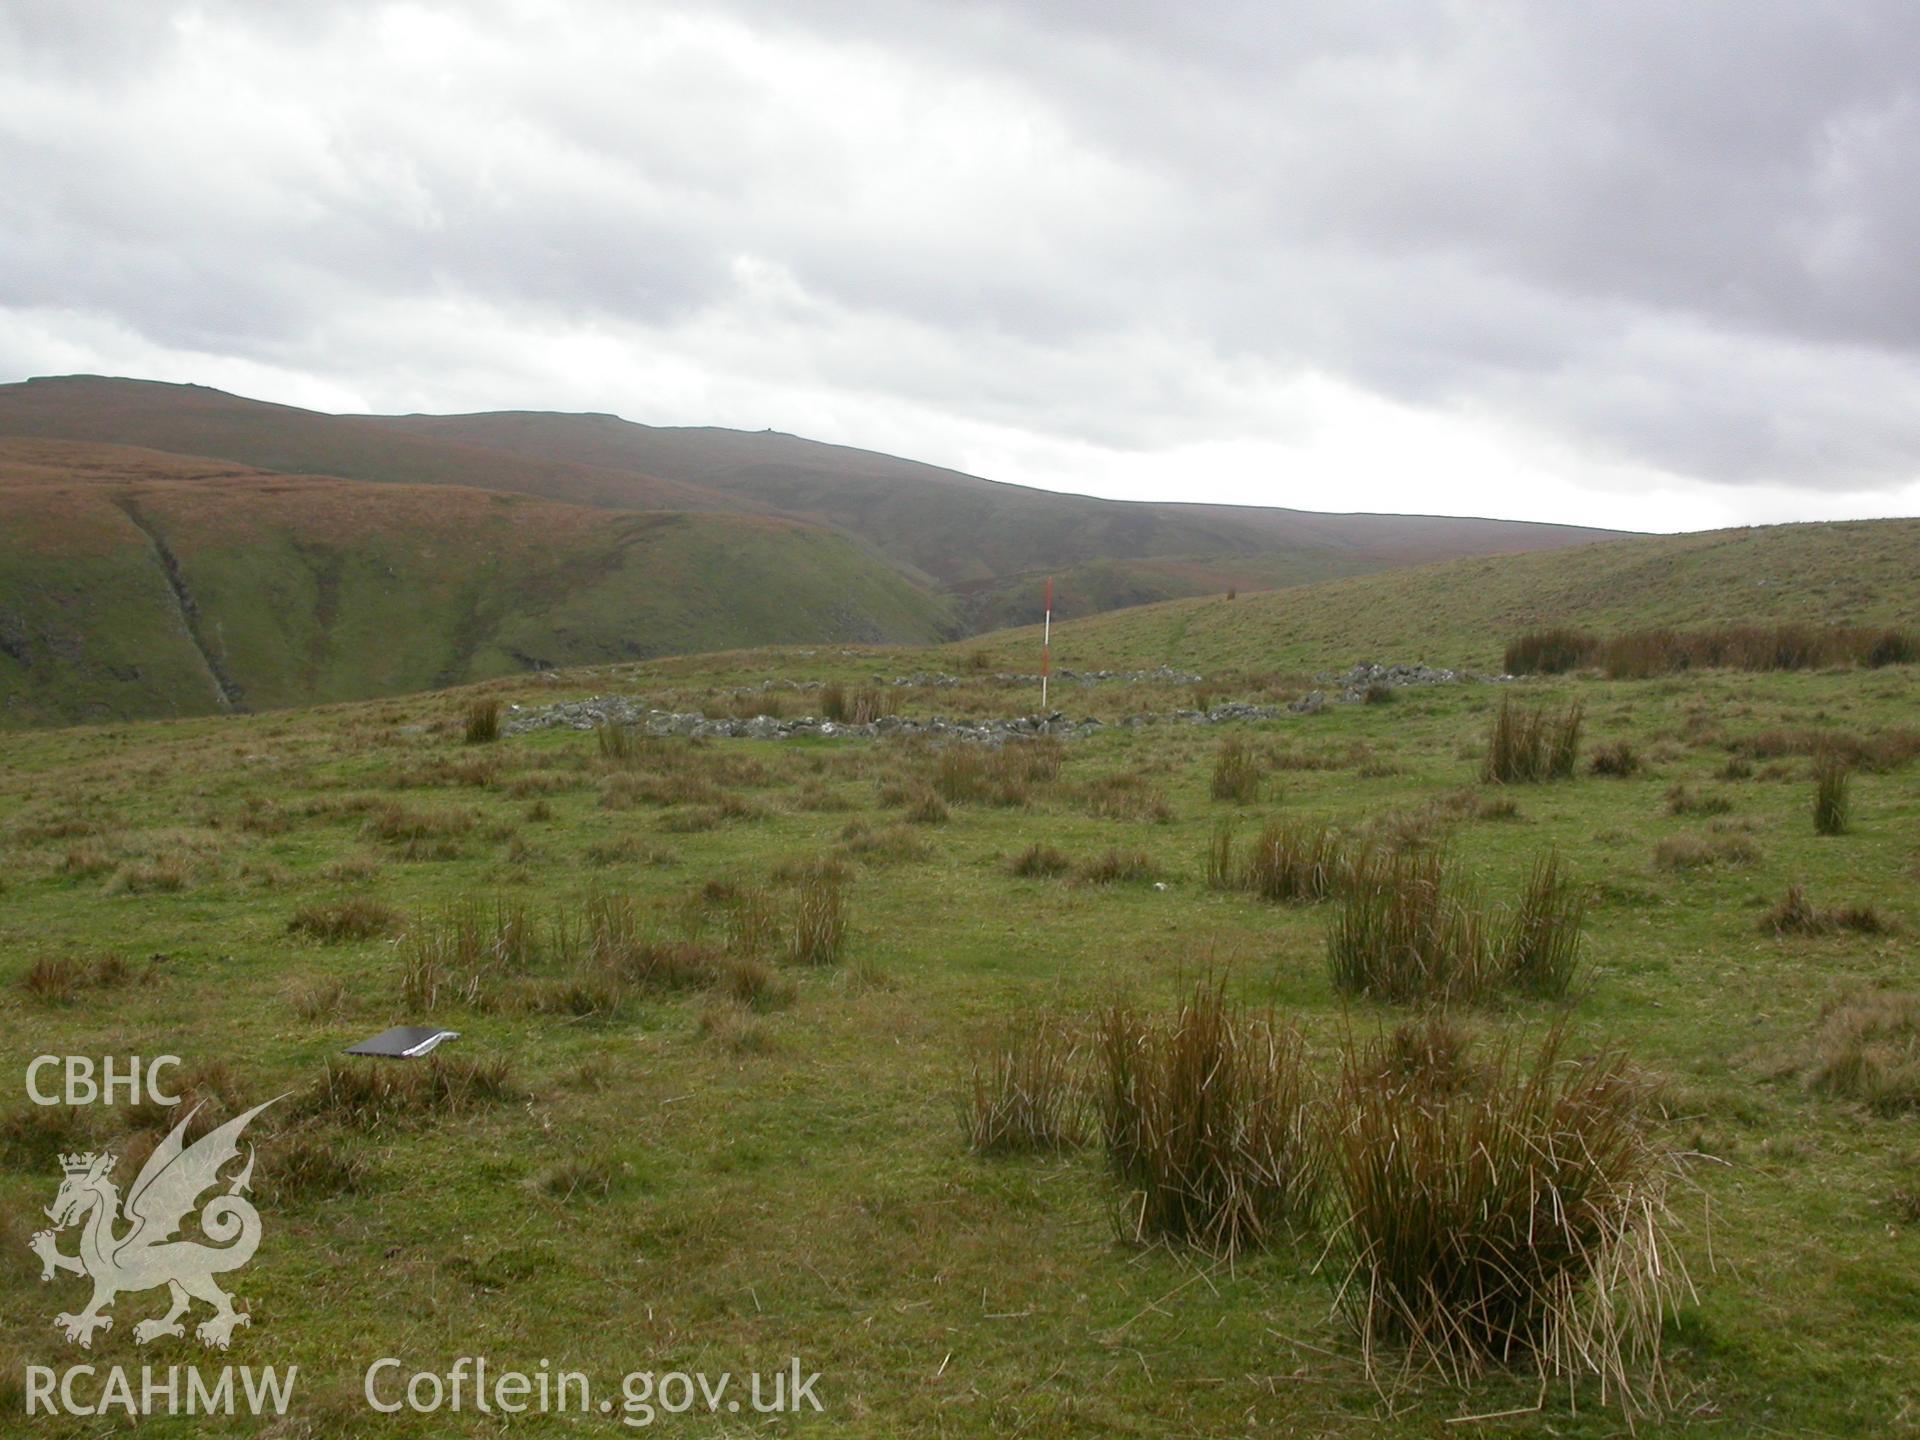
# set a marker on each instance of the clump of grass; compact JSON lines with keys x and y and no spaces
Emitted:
{"x":1640,"y":654}
{"x":1117,"y":867}
{"x":165,"y":875}
{"x":1294,"y":863}
{"x":891,"y":845}
{"x":1236,"y":771}
{"x":626,"y":850}
{"x":1379,"y":693}
{"x":581,"y":1178}
{"x":929,"y":809}
{"x":1797,"y":915}
{"x":59,"y":979}
{"x":376,"y":1094}
{"x":1024,"y":1094}
{"x":1550,"y":652}
{"x":1831,"y":802}
{"x":1700,"y":852}
{"x":1433,"y":1053}
{"x":862,"y":707}
{"x":1002,"y":775}
{"x":756,"y":985}
{"x":35,"y":1135}
{"x":1540,"y":954}
{"x":482,"y":725}
{"x":1869,"y":1050}
{"x":1877,"y":753}
{"x":1517,"y":1219}
{"x":1683,"y":800}
{"x":817,"y":933}
{"x":451,"y":959}
{"x":740,"y":1034}
{"x":351,"y":869}
{"x":1409,"y":930}
{"x":1039,"y":862}
{"x":317,"y":998}
{"x":311,"y":1164}
{"x":617,"y":744}
{"x":355,"y":918}
{"x":419,"y":834}
{"x":1126,"y":797}
{"x":1525,"y":746}
{"x":1219,"y":858}
{"x":1617,"y":758}
{"x":86,"y":860}
{"x":1208,"y":1120}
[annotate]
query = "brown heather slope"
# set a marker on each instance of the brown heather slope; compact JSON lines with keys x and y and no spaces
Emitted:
{"x":194,"y":420}
{"x":968,"y":532}
{"x":135,"y":583}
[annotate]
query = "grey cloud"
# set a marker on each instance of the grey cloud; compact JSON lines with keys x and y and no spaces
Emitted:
{"x":1681,"y":236}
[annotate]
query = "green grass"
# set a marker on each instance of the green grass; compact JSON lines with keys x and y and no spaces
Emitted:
{"x":719,"y":1176}
{"x":1465,"y":612}
{"x":315,"y":590}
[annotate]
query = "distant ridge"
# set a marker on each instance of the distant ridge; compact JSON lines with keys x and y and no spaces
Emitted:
{"x":961,"y":530}
{"x":177,"y":550}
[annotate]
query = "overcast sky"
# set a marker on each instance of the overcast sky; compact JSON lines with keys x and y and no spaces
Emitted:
{"x":1644,"y":264}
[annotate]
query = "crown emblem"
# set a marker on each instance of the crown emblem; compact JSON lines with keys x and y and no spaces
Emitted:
{"x":78,"y":1163}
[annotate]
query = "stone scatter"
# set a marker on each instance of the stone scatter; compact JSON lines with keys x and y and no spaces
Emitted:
{"x":630,"y":710}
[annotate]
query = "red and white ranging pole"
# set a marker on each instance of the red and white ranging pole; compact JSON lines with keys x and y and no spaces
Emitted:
{"x":1046,"y":647}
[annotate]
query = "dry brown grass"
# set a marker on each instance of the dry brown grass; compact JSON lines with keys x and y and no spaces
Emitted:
{"x":1527,"y":746}
{"x":355,"y":918}
{"x":1410,"y":929}
{"x":1117,"y":867}
{"x":1683,"y":800}
{"x":889,"y":845}
{"x":376,"y":1094}
{"x":817,"y":928}
{"x":1236,"y":772}
{"x":1832,"y":804}
{"x":1126,"y":797}
{"x":1797,"y":915}
{"x":1039,"y":862}
{"x":1617,"y":758}
{"x":1700,"y":852}
{"x":163,"y":875}
{"x":1868,"y":1050}
{"x":419,"y":834}
{"x":1208,"y":1118}
{"x":1004,"y":775}
{"x":1550,"y":652}
{"x":1292,"y":863}
{"x":1512,"y":1214}
{"x":59,"y":979}
{"x":1025,"y":1093}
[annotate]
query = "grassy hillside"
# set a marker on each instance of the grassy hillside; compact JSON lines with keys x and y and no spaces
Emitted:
{"x":133,"y":583}
{"x":1099,"y":586}
{"x":963,"y":530}
{"x":689,"y":1146}
{"x":1464,"y":612}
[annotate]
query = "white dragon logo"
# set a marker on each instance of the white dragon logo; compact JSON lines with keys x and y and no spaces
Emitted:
{"x":147,"y":1256}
